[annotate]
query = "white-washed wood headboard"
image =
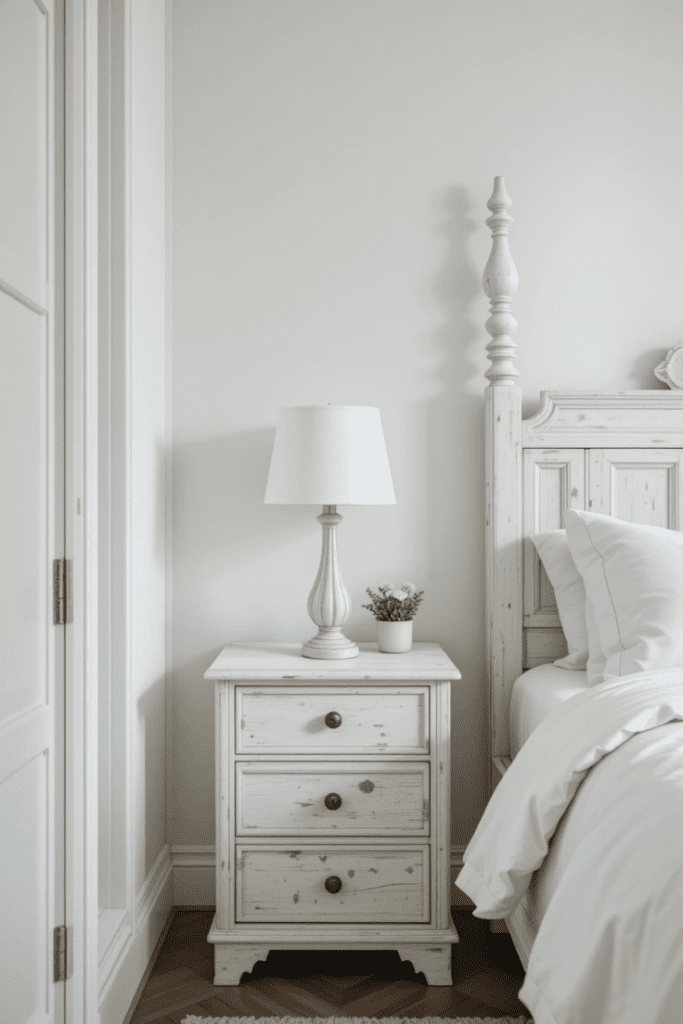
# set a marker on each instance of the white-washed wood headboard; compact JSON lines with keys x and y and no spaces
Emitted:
{"x":617,"y":453}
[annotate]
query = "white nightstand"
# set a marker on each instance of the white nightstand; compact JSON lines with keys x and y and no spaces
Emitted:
{"x":332,"y":805}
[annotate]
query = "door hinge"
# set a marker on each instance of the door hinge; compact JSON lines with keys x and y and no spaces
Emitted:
{"x":62,"y":604}
{"x":60,"y":953}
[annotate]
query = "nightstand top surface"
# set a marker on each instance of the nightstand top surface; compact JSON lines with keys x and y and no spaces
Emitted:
{"x":283,"y":661}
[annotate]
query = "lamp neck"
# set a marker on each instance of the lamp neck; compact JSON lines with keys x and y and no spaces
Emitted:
{"x":330,"y":516}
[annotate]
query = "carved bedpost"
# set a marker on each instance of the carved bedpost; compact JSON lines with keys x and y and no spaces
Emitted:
{"x":500,"y":284}
{"x":504,"y":536}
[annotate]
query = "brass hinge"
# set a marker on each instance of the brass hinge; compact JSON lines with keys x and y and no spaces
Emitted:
{"x":59,"y":954}
{"x":62,"y":604}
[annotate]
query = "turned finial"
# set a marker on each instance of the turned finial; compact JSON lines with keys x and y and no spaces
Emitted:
{"x":500,"y":284}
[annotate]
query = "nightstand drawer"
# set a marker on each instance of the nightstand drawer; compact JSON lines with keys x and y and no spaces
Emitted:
{"x":332,"y":884}
{"x":291,"y":798}
{"x":332,"y":720}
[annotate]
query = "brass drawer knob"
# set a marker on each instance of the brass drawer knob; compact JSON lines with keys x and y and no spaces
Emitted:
{"x":333,"y":720}
{"x":333,"y":801}
{"x":333,"y":884}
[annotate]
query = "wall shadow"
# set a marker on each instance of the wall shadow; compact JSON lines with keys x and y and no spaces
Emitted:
{"x":218,"y":489}
{"x":151,"y":752}
{"x":451,"y":425}
{"x":641,"y":373}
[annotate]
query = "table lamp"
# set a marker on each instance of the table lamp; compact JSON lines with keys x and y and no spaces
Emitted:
{"x":329,"y":455}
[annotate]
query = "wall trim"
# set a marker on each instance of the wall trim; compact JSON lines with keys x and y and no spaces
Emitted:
{"x":150,"y":966}
{"x":194,"y":856}
{"x":457,"y":851}
{"x":132,"y":954}
{"x":157,"y":878}
{"x":113,"y":948}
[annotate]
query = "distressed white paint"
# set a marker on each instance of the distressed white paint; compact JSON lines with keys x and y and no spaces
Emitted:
{"x":287,"y":884}
{"x":261,"y":732}
{"x":571,"y":419}
{"x":554,"y":479}
{"x":503,"y":471}
{"x":373,"y":720}
{"x":290,"y":798}
{"x":639,"y":485}
{"x":283,"y":661}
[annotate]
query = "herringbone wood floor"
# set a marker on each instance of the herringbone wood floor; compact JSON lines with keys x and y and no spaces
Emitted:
{"x":486,"y":978}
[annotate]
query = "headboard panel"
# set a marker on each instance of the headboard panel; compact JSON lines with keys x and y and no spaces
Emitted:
{"x":617,"y":453}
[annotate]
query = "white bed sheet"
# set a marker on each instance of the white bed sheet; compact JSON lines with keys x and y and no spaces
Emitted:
{"x":535,"y":694}
{"x":610,"y":947}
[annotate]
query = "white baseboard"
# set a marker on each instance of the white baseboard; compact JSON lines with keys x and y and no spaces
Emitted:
{"x":114,"y":933}
{"x":194,"y":876}
{"x":127,"y":957}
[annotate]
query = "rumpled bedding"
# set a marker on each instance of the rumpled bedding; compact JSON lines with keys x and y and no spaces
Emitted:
{"x":609,"y":949}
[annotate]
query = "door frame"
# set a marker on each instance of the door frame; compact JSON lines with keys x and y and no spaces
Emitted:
{"x":81,"y":504}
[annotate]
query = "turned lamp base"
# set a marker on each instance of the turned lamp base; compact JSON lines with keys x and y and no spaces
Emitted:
{"x":329,"y":603}
{"x":329,"y":644}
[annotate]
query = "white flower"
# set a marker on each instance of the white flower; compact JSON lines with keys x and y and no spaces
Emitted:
{"x":386,"y":586}
{"x":408,"y":587}
{"x":399,"y":595}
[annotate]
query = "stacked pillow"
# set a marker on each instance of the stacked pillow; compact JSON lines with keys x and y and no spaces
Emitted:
{"x":570,"y":594}
{"x":628,"y":581}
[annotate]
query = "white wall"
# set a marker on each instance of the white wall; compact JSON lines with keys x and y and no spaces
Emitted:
{"x":332,"y":163}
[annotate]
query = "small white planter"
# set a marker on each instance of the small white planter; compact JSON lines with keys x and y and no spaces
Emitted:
{"x":395,"y":637}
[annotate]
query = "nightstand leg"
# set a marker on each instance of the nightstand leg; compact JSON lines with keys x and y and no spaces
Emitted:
{"x":432,"y":961}
{"x":232,"y":960}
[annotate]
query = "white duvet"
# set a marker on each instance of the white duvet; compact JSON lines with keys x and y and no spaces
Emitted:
{"x":609,"y":949}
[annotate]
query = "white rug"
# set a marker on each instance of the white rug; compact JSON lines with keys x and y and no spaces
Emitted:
{"x":356,"y":1020}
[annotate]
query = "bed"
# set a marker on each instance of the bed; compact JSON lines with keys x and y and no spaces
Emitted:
{"x":580,"y":849}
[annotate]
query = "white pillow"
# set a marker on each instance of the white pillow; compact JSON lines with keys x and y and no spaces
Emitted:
{"x":633,"y":577}
{"x":595,"y":669}
{"x":570,"y":595}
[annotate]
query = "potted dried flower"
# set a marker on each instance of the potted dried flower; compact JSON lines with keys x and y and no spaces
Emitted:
{"x":394,"y":609}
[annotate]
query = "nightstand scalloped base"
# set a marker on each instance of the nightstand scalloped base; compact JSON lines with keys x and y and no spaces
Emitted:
{"x":236,"y":954}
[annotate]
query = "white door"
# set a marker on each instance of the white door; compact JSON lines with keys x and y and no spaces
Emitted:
{"x":31,"y":512}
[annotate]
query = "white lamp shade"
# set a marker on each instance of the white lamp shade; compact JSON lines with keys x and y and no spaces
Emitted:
{"x":329,"y":455}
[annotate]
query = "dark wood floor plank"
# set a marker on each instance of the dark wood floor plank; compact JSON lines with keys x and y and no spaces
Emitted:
{"x":171,"y":998}
{"x":335,"y":990}
{"x":178,"y":1015}
{"x":386,"y":1000}
{"x":496,"y":988}
{"x":241,"y":1001}
{"x":242,"y":1006}
{"x":299,"y":1002}
{"x":159,"y":1020}
{"x":269,"y":1003}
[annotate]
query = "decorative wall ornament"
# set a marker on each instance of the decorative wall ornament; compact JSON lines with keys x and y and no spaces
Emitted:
{"x":670,"y":370}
